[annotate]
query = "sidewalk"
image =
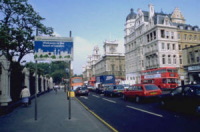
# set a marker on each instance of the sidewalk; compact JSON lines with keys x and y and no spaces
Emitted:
{"x":52,"y":116}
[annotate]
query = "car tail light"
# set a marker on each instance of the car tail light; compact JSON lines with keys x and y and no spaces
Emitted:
{"x":114,"y":90}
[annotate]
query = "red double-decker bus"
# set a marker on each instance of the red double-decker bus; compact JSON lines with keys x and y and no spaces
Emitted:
{"x":165,"y":77}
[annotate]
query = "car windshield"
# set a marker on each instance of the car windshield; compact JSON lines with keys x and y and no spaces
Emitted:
{"x":151,"y":87}
{"x":119,"y":87}
{"x":83,"y":88}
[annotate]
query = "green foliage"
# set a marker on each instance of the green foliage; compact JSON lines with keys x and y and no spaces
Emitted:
{"x":18,"y":23}
{"x":67,"y":56}
{"x":46,"y":56}
{"x":35,"y":56}
{"x":55,"y":69}
{"x":53,"y":57}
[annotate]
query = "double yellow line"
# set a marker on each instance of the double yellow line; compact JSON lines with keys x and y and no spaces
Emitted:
{"x":104,"y":122}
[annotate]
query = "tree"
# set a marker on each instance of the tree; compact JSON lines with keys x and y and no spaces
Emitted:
{"x":18,"y":22}
{"x":57,"y":69}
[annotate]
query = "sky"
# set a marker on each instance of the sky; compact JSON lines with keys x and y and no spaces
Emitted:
{"x":94,"y":21}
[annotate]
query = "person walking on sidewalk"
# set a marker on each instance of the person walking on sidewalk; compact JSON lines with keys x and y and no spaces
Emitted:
{"x":25,"y":94}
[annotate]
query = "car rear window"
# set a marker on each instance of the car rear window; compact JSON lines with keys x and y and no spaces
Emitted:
{"x":83,"y":88}
{"x":151,"y":87}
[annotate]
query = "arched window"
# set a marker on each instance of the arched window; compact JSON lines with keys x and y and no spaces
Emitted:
{"x":169,"y":59}
{"x":174,"y":59}
{"x":163,"y":59}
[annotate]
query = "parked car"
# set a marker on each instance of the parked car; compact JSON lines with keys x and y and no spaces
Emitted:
{"x":81,"y":91}
{"x":113,"y":90}
{"x":141,"y":91}
{"x":126,"y":86}
{"x":91,"y":88}
{"x":183,"y":99}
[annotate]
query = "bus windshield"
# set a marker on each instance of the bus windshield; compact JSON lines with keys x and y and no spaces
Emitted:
{"x":77,"y":80}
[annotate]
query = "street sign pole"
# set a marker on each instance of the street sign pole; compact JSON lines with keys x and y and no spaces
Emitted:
{"x":69,"y":90}
{"x":36,"y":84}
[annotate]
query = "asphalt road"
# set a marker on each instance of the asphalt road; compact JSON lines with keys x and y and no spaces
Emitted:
{"x":127,"y":116}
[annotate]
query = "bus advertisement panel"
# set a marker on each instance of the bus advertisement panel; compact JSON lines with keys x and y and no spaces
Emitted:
{"x":166,"y":77}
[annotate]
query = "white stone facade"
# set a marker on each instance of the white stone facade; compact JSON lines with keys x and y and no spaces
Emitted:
{"x":150,"y":42}
{"x":4,"y":81}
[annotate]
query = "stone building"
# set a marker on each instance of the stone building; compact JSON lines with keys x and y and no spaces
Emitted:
{"x":154,"y":40}
{"x":112,"y":62}
{"x":191,"y":64}
{"x":88,"y":69}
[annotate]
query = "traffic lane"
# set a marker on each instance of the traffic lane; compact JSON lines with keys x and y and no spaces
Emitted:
{"x":127,"y":116}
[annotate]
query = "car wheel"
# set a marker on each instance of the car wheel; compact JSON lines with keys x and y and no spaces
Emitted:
{"x":137,"y":99}
{"x":124,"y":97}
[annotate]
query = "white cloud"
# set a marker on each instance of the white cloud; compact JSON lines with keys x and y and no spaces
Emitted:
{"x":56,"y":34}
{"x":82,"y":49}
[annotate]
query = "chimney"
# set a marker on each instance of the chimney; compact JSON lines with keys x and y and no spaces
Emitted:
{"x":70,"y":34}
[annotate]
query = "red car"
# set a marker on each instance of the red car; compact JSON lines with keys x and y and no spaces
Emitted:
{"x":141,"y":91}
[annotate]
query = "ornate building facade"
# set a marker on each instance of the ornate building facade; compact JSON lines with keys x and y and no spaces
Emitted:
{"x":112,"y":62}
{"x":154,"y":40}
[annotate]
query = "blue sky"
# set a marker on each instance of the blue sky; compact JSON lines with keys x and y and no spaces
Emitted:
{"x":94,"y":21}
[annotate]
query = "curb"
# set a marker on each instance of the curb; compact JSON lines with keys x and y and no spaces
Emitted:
{"x":99,"y":118}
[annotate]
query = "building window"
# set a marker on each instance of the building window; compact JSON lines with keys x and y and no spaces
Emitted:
{"x":195,"y":37}
{"x":196,"y":56}
{"x":154,"y":34}
{"x":169,"y":59}
{"x":168,"y":46}
{"x":180,"y":57}
{"x":147,"y":37}
{"x":179,"y":47}
{"x":179,"y":36}
{"x":174,"y":59}
{"x":173,"y":47}
{"x":151,"y":37}
{"x":185,"y":36}
{"x":190,"y":37}
{"x":162,"y":32}
{"x":163,"y":46}
{"x":172,"y":35}
{"x":191,"y":57}
{"x":163,"y":59}
{"x":186,"y":46}
{"x":167,"y":34}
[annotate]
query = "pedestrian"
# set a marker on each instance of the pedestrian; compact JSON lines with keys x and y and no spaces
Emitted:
{"x":55,"y":89}
{"x":25,"y":94}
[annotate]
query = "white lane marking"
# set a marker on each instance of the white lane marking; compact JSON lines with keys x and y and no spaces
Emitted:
{"x":95,"y":96}
{"x":109,"y":100}
{"x":84,"y":97}
{"x":144,"y":111}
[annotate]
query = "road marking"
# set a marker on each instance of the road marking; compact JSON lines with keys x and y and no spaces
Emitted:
{"x":144,"y":111}
{"x":95,"y":96}
{"x":84,"y":97}
{"x":109,"y":100}
{"x":98,"y":117}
